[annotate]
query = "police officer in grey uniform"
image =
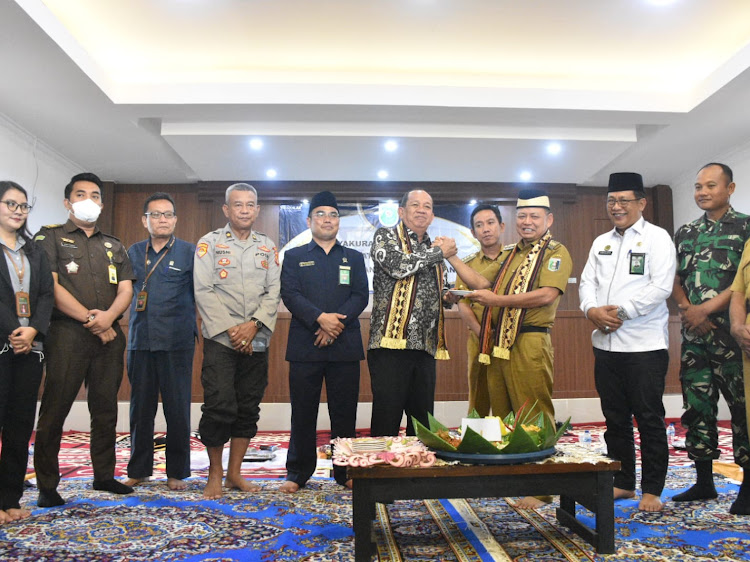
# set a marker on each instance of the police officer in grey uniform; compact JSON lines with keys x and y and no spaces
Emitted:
{"x":237,"y":291}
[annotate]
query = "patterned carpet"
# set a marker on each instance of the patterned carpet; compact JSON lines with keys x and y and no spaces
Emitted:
{"x":155,"y":524}
{"x":491,"y":529}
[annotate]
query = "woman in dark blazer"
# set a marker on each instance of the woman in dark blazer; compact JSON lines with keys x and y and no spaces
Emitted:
{"x":26,"y":301}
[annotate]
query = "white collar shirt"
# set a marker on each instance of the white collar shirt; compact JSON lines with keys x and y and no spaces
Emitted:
{"x":636,"y":271}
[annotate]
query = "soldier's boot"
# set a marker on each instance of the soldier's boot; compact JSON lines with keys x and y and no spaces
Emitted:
{"x":703,"y":489}
{"x":741,"y":505}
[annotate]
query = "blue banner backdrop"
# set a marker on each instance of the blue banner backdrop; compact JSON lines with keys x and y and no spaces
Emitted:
{"x":359,"y":223}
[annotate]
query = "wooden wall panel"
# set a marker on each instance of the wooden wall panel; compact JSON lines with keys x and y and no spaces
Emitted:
{"x":579,"y":216}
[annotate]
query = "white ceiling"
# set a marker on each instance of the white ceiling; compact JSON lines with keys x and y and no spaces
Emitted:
{"x":473,"y":90}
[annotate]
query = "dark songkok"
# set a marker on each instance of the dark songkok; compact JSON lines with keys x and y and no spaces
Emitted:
{"x":532,"y":198}
{"x":625,"y":181}
{"x":323,"y":199}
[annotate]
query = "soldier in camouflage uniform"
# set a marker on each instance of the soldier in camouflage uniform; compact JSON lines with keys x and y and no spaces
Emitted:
{"x":708,"y":253}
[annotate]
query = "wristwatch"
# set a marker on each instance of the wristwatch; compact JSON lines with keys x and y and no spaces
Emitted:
{"x":258,"y":323}
{"x":622,"y":314}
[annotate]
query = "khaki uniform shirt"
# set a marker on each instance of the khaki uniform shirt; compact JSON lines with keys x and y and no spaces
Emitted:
{"x":236,"y":280}
{"x":741,"y":283}
{"x":555,"y":270}
{"x":82,"y":264}
{"x":487,"y":268}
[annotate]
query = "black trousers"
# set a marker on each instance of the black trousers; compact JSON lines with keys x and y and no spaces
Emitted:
{"x":74,"y":356}
{"x":20,"y":376}
{"x":233,"y":386}
{"x":151,"y":373}
{"x":402,"y":380}
{"x":632,"y":384}
{"x":342,"y":390}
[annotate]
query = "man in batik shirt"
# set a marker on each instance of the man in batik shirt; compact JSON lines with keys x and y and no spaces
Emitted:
{"x":406,"y":327}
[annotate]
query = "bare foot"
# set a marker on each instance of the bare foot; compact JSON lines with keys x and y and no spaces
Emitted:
{"x":213,"y":491}
{"x":349,"y":484}
{"x":134,"y":481}
{"x":289,"y":487}
{"x":650,"y":502}
{"x":621,"y":494}
{"x":17,"y":514}
{"x":176,"y":485}
{"x":530,"y":502}
{"x":4,"y":517}
{"x":239,"y":483}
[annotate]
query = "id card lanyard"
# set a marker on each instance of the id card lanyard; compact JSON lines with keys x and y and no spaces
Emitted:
{"x":142,"y":297}
{"x":23,"y":305}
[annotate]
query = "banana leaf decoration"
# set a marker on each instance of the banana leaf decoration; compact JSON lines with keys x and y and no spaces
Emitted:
{"x":518,"y":441}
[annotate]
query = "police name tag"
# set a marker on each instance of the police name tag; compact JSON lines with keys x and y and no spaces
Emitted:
{"x":345,"y":274}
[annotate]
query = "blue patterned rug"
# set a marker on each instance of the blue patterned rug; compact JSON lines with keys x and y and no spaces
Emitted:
{"x":492,"y":529}
{"x":155,"y":524}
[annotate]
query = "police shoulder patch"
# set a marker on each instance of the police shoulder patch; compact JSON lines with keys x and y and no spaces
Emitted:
{"x":554,"y":264}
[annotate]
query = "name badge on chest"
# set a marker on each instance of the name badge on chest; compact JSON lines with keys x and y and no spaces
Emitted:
{"x":140,"y":301}
{"x":112,"y":270}
{"x":637,"y":264}
{"x":23,"y":307}
{"x":345,"y":275}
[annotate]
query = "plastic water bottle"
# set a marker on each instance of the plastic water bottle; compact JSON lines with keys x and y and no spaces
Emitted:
{"x":586,"y":438}
{"x":670,"y":435}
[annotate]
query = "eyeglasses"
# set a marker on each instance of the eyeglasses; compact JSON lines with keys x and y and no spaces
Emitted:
{"x":621,"y":202}
{"x":157,"y":215}
{"x":12,"y":206}
{"x":322,"y":214}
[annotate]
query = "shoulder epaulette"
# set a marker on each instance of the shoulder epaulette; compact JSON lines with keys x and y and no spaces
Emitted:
{"x":110,"y":236}
{"x":51,"y":226}
{"x":553,"y":245}
{"x":470,"y":257}
{"x":508,"y":247}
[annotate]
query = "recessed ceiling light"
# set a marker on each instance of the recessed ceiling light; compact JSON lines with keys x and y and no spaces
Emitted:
{"x":554,"y":148}
{"x":256,"y":143}
{"x":271,"y":173}
{"x":382,"y":174}
{"x":525,"y":176}
{"x":473,"y":202}
{"x":390,"y":145}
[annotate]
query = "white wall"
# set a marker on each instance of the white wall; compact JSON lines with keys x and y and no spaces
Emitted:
{"x":685,"y":209}
{"x":41,"y":171}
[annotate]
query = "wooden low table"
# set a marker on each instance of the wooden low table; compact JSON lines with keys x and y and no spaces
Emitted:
{"x":589,"y":484}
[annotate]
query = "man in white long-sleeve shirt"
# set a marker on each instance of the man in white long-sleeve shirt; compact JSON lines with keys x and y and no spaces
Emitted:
{"x":624,"y":288}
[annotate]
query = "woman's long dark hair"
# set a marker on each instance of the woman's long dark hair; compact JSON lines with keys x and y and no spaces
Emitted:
{"x":23,"y":231}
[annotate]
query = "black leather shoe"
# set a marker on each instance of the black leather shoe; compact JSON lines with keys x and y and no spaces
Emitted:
{"x":48,"y":497}
{"x":112,"y":485}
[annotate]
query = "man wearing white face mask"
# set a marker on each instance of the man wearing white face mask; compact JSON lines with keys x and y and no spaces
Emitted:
{"x":93,"y":288}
